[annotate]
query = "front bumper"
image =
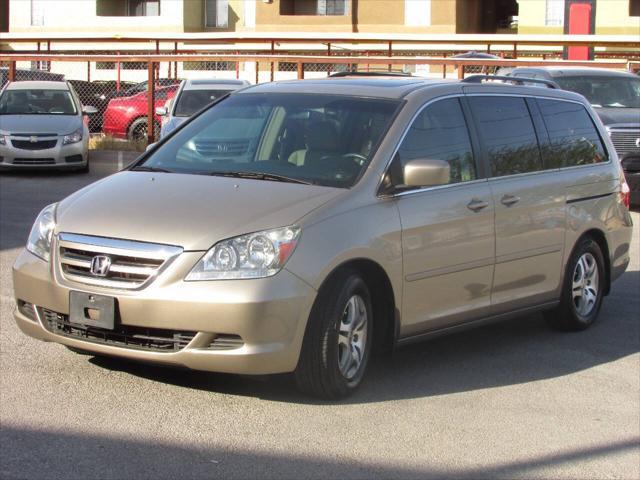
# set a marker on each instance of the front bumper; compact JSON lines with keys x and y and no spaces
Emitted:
{"x":59,"y":156}
{"x":268,"y":315}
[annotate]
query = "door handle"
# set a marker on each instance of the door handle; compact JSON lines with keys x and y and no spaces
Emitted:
{"x":509,"y":200}
{"x":476,"y":204}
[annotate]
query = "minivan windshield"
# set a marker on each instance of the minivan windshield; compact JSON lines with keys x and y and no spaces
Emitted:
{"x":604,"y":91}
{"x":37,"y":102}
{"x":303,"y":138}
{"x":190,"y":101}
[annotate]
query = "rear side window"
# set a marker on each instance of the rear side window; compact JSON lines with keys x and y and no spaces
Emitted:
{"x":573,"y":138}
{"x":507,"y":133}
{"x":440,"y":133}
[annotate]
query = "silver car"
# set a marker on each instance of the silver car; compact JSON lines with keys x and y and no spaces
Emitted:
{"x":193,"y":95}
{"x":42,"y":125}
{"x":301,"y":226}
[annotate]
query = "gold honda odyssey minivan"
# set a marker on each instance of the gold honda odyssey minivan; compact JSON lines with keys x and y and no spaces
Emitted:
{"x":302,"y":226}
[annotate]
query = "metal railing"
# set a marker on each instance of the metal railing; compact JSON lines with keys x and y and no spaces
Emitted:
{"x":109,"y":81}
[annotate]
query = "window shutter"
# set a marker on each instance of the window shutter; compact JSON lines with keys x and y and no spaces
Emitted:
{"x":222,"y":13}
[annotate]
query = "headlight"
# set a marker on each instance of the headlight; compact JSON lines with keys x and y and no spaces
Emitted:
{"x":255,"y":255}
{"x":39,"y":242}
{"x":74,"y":137}
{"x":2,"y":140}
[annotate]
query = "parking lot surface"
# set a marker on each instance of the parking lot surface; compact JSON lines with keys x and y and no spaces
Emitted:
{"x":510,"y":400}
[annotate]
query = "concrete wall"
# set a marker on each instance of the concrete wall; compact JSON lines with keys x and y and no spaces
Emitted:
{"x":369,"y":16}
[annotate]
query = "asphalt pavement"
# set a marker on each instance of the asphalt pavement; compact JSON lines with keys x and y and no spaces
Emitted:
{"x":511,"y":400}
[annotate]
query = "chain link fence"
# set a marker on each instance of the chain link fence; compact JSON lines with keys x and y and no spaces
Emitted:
{"x":119,"y":89}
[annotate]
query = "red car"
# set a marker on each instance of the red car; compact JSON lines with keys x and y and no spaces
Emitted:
{"x":126,"y":117}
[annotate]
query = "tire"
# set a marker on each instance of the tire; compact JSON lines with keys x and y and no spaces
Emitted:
{"x":582,"y":294}
{"x":138,"y":130}
{"x":334,"y":353}
{"x":84,"y":169}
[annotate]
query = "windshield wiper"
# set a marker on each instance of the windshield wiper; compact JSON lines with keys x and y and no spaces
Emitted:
{"x":259,"y":176}
{"x":143,"y":168}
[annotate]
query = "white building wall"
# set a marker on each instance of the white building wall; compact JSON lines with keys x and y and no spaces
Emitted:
{"x":80,"y":16}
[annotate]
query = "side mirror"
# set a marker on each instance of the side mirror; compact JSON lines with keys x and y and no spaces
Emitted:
{"x":426,"y":173}
{"x":161,"y":111}
{"x":89,"y":110}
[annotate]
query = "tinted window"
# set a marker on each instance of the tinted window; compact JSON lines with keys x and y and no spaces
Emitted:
{"x":439,"y":133}
{"x":573,"y":138}
{"x":190,"y":101}
{"x":37,"y":102}
{"x":605,"y":91}
{"x":508,"y":135}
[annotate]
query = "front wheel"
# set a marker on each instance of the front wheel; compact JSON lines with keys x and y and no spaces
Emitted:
{"x":338,"y":340}
{"x":582,"y":290}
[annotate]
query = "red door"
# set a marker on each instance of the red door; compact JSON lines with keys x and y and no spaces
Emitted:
{"x":579,"y":24}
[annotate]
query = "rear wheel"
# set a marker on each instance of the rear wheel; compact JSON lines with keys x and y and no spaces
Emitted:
{"x":338,"y":339}
{"x":583,"y":289}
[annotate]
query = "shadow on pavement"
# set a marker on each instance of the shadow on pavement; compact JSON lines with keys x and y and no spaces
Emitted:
{"x":52,"y":454}
{"x":518,"y":351}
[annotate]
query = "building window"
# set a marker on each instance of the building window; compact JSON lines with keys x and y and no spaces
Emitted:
{"x":314,"y":7}
{"x":127,"y":8}
{"x":634,"y":8}
{"x":417,"y":13}
{"x":554,"y":14}
{"x":216,"y":13}
{"x":143,"y":8}
{"x":38,"y":12}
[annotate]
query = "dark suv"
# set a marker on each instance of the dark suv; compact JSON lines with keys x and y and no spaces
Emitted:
{"x":615,"y":96}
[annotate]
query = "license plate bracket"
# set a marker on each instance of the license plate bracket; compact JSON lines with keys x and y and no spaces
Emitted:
{"x":92,"y":310}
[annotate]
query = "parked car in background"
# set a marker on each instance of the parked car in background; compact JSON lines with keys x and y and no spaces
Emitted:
{"x":142,"y":86}
{"x":472,"y":54}
{"x":301,"y":226}
{"x":126,"y":117}
{"x":42,"y":125}
{"x":615,"y":96}
{"x":193,"y":95}
{"x":23,"y":74}
{"x":97,"y":94}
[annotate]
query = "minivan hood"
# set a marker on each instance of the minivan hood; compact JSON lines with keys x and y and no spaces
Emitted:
{"x":191,"y":211}
{"x":612,"y":116}
{"x":38,"y":124}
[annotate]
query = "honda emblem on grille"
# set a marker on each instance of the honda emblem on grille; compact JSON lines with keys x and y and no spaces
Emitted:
{"x":100,"y":265}
{"x":33,"y":139}
{"x":637,"y":142}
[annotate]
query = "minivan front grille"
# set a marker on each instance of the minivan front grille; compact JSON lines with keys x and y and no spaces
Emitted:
{"x":625,"y":140}
{"x":112,"y":263}
{"x":139,"y":338}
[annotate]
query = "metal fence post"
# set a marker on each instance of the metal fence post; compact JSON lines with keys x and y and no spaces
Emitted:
{"x":12,"y":71}
{"x":151,"y":90}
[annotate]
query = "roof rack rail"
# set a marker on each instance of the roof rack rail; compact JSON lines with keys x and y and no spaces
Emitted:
{"x":516,"y":80}
{"x":355,"y":73}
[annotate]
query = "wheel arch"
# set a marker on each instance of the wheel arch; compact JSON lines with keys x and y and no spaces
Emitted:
{"x":386,"y":316}
{"x":600,"y":238}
